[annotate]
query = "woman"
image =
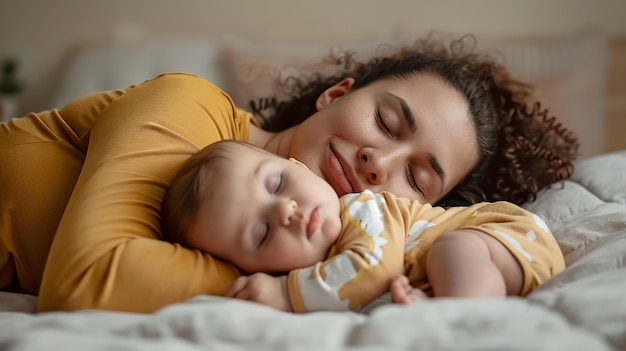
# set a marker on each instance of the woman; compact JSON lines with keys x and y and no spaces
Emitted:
{"x":426,"y":123}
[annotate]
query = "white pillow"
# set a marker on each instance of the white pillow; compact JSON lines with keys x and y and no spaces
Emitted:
{"x":118,"y":65}
{"x":589,"y":209}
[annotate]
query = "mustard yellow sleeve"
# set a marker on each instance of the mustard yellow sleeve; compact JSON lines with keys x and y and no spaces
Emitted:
{"x":106,"y":253}
{"x":41,"y":156}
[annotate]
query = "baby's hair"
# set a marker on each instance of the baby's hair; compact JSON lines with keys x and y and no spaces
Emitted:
{"x":188,"y":189}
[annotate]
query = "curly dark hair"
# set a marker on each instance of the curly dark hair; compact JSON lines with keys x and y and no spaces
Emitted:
{"x":522,"y":149}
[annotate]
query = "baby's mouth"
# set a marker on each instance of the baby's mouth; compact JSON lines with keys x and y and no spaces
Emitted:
{"x":313,"y":224}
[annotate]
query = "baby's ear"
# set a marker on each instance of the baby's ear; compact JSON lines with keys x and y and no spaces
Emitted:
{"x":298,"y":162}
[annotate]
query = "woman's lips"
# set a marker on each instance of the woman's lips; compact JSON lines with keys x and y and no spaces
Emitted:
{"x":336,"y":175}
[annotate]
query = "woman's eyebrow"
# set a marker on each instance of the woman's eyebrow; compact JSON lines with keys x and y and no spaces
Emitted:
{"x":406,"y":112}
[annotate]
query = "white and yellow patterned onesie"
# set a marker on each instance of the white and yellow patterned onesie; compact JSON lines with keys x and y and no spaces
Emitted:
{"x":383,"y":236}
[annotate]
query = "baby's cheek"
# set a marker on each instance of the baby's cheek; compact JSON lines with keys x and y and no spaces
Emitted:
{"x":331,"y":229}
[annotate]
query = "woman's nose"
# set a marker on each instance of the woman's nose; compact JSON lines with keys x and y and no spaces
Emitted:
{"x":375,"y":166}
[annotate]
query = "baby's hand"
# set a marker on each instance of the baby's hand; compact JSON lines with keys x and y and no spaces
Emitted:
{"x":262,"y":288}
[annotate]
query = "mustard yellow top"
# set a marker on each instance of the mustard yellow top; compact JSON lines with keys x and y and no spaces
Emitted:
{"x":110,"y":157}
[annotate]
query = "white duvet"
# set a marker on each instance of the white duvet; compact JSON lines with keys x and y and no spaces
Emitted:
{"x":582,"y":308}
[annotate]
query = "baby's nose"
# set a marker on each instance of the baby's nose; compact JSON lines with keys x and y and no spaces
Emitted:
{"x":285,"y":209}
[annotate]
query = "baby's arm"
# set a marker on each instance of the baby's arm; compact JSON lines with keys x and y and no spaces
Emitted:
{"x":262,"y":288}
{"x":465,"y":263}
{"x":317,"y":287}
{"x":368,"y":254}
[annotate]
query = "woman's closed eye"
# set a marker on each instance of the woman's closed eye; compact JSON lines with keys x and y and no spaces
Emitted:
{"x":382,"y":125}
{"x":412,"y":181}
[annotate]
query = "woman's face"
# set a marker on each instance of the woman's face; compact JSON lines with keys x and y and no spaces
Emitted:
{"x":413,"y":137}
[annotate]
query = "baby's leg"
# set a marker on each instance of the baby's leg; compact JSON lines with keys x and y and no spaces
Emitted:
{"x":403,"y":293}
{"x":464,"y":264}
{"x":472,"y":264}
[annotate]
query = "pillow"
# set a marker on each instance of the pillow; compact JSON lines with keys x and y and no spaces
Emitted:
{"x":117,"y":65}
{"x":587,"y":210}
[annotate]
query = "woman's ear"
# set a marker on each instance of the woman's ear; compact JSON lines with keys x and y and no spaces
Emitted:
{"x":333,"y":93}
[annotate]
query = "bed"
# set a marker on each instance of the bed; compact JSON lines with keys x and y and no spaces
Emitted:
{"x":582,"y":308}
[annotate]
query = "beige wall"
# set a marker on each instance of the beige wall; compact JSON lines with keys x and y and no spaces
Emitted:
{"x":41,"y":32}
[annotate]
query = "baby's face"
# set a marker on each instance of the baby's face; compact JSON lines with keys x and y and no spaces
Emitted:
{"x":267,"y":213}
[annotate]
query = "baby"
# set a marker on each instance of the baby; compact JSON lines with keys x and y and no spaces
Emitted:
{"x":266,"y":214}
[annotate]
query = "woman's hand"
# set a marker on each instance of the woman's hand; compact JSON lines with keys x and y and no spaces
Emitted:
{"x":262,"y":288}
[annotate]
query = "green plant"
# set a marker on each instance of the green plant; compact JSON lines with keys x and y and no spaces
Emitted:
{"x":8,"y":81}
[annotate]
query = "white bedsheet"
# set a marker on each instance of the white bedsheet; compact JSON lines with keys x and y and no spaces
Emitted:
{"x":582,"y":308}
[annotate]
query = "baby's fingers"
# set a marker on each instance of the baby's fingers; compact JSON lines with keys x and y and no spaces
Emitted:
{"x":238,"y":285}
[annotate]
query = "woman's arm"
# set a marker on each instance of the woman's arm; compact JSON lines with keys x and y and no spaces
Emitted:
{"x":106,"y":253}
